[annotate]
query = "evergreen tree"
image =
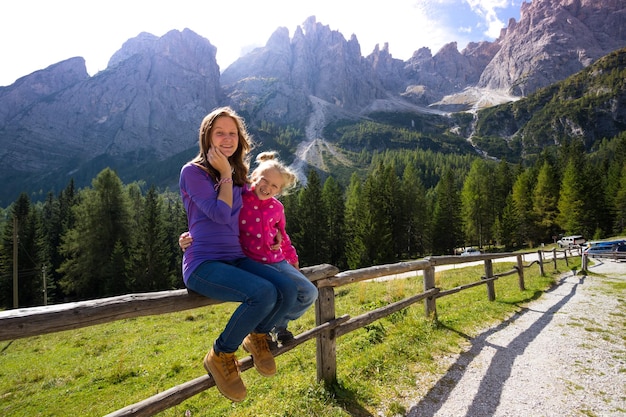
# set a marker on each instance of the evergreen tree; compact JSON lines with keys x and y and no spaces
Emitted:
{"x":545,"y":199}
{"x":68,"y":198}
{"x":503,"y":186}
{"x":355,"y":225}
{"x":507,"y":225}
{"x":175,"y":224}
{"x":596,"y":222}
{"x":611,"y":190}
{"x":52,"y":230}
{"x":380,"y":201}
{"x":334,"y":206}
{"x":571,"y":202}
{"x":475,"y":202}
{"x":151,"y":262}
{"x":413,"y":214}
{"x":312,"y":220}
{"x":29,"y":273}
{"x":620,"y":205}
{"x":292,"y":214}
{"x":56,"y":218}
{"x":97,"y":247}
{"x":523,"y":208}
{"x":447,"y":221}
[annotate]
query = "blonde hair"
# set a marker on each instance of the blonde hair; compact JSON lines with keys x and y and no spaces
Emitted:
{"x":239,"y":160}
{"x":269,"y":160}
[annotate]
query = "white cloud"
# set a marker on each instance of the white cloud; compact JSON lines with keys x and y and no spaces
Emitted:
{"x":487,"y":9}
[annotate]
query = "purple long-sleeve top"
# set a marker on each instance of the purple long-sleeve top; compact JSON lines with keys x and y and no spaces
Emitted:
{"x":212,"y":223}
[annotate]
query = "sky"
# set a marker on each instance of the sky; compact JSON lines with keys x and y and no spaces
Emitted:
{"x":38,"y":33}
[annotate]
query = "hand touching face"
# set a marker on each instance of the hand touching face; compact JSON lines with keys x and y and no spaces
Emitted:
{"x":224,"y":143}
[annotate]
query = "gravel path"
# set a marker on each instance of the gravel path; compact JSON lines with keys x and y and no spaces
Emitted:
{"x":563,"y":355}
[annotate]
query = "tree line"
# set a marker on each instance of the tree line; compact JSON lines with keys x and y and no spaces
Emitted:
{"x":112,"y":238}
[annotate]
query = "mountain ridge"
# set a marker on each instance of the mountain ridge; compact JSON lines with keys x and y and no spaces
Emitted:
{"x":146,"y":106}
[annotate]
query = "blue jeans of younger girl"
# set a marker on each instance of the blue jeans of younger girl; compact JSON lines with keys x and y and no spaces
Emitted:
{"x":307,"y":293}
{"x":264,"y":293}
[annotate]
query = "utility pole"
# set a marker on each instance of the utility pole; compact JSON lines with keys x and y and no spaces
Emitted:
{"x":45,"y":286}
{"x":15,"y":225}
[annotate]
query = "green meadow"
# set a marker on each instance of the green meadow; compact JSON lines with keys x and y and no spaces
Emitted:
{"x":97,"y":370}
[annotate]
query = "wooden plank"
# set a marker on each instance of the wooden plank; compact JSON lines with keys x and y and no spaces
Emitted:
{"x":26,"y":322}
{"x":491,"y":288}
{"x":326,"y":349}
{"x":483,"y":281}
{"x":371,"y":316}
{"x":430,"y":303}
{"x":520,"y":273}
{"x":32,"y":321}
{"x":357,"y":275}
{"x":455,"y":259}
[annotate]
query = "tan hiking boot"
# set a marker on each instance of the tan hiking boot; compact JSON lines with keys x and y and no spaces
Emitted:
{"x":224,"y":369}
{"x":256,"y":345}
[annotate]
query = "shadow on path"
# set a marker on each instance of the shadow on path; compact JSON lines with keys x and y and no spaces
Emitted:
{"x":489,"y":392}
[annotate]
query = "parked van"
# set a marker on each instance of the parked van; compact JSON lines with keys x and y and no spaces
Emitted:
{"x":569,"y":241}
{"x":606,"y":244}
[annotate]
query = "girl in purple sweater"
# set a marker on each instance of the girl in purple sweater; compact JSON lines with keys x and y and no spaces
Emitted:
{"x":211,"y":187}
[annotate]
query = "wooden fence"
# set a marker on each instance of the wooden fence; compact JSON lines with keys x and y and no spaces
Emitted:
{"x":26,"y":322}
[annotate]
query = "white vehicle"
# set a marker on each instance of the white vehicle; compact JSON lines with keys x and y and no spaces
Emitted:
{"x":470,"y":252}
{"x":570,"y":241}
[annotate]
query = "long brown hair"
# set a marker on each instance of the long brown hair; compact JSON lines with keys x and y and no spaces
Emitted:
{"x":239,"y":160}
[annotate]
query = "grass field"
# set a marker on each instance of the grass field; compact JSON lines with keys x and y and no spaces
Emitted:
{"x":100,"y":369}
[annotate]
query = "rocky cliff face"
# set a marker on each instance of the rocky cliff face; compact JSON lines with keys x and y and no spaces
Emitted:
{"x":32,"y":88}
{"x":553,"y":40}
{"x":274,"y":82}
{"x":147,"y":103}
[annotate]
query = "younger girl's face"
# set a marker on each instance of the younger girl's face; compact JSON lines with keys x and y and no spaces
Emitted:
{"x":225,"y":135}
{"x":268,"y":184}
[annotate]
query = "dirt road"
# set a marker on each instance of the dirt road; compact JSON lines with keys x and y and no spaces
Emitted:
{"x":562,"y":355}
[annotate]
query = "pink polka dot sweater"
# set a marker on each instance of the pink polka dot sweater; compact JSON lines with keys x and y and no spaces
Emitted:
{"x":259,"y":223}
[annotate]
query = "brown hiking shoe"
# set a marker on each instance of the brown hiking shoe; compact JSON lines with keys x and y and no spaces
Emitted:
{"x":224,"y":369}
{"x":256,"y":345}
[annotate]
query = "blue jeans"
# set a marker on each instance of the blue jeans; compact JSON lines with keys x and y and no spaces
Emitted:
{"x":264,"y":293}
{"x":307,"y":293}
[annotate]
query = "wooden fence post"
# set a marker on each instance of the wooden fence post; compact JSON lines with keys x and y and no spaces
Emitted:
{"x":566,"y":261}
{"x":520,"y":273}
{"x":491,"y":288}
{"x":430,"y":303}
{"x":554,"y":257}
{"x":540,"y":260}
{"x":583,"y":265}
{"x":326,"y":353}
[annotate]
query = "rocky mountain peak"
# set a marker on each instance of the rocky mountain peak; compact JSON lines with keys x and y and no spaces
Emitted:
{"x":277,"y":80}
{"x":185,"y":48}
{"x":576,"y":32}
{"x":31,"y":88}
{"x":146,"y":104}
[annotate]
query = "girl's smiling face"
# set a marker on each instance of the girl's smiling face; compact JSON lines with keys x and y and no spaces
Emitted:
{"x":225,"y":136}
{"x":267,"y":184}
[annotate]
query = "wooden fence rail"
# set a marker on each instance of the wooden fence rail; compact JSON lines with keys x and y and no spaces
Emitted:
{"x":25,"y":322}
{"x":33,"y":321}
